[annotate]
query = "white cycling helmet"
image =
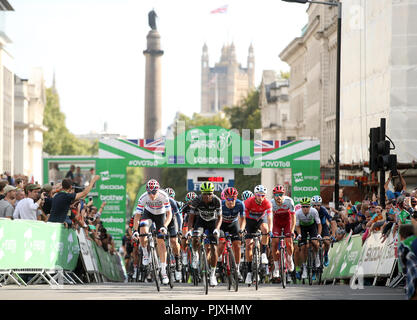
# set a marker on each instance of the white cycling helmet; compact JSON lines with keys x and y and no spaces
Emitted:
{"x":316,"y":200}
{"x":260,"y":189}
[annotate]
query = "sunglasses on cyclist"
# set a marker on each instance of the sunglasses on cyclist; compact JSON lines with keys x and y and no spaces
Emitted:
{"x":152,"y":192}
{"x":230,"y":199}
{"x":305,"y":206}
{"x":278,"y":194}
{"x":260,"y":195}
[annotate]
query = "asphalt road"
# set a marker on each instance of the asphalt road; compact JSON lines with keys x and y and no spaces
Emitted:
{"x":147,"y":291}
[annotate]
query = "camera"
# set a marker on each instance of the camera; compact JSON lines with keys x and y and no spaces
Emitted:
{"x":414,"y":215}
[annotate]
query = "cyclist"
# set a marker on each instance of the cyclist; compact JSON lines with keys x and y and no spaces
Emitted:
{"x":258,"y":214}
{"x":246,"y":195}
{"x":233,"y":217}
{"x":171,"y":193}
{"x":307,"y":221}
{"x":207,"y":210}
{"x":283,"y":217}
{"x":324,"y":215}
{"x":190,"y":196}
{"x":153,"y":205}
{"x":173,"y":232}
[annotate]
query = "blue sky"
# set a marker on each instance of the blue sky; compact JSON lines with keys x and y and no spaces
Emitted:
{"x":95,"y":47}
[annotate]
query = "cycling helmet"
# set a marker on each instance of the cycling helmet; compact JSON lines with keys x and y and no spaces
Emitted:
{"x":305,"y":201}
{"x":297,"y":207}
{"x":152,"y":185}
{"x":170,"y":192}
{"x":230,"y":193}
{"x":279,"y":189}
{"x":222,"y":196}
{"x":316,"y":200}
{"x":190,"y":196}
{"x":207,"y":187}
{"x":246,"y":195}
{"x":260,"y":189}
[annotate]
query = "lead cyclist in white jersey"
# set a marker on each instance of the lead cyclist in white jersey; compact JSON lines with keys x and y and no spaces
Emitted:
{"x":153,"y":205}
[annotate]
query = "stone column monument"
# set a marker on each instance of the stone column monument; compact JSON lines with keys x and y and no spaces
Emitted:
{"x":153,"y":106}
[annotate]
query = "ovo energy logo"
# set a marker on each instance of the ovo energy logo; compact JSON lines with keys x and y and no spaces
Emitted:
{"x":298,"y":177}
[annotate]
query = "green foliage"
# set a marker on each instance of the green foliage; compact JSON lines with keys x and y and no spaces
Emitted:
{"x":285,"y":75}
{"x":175,"y":178}
{"x":58,"y":140}
{"x":198,"y":120}
{"x":247,"y":115}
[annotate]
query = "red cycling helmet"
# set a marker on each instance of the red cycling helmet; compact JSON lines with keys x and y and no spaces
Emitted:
{"x":230,"y":193}
{"x":279,"y":189}
{"x":152,"y":185}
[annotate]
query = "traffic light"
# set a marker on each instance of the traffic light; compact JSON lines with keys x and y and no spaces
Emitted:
{"x":373,"y":149}
{"x":379,"y":151}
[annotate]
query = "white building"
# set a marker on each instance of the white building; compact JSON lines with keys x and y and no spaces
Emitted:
{"x":30,"y":101}
{"x":6,"y":94}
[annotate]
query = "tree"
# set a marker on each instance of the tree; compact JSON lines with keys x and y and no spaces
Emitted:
{"x":246,"y":116}
{"x":58,"y":140}
{"x":285,"y":74}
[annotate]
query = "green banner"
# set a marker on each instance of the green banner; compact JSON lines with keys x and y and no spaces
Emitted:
{"x":108,"y":264}
{"x":350,"y":258}
{"x":28,"y":244}
{"x":112,"y":189}
{"x":305,"y":180}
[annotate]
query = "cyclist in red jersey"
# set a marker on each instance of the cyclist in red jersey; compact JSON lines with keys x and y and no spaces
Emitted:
{"x":258,"y":213}
{"x":283,"y":217}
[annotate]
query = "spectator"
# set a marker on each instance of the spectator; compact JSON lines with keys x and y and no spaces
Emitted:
{"x":70,"y":174}
{"x":7,"y":204}
{"x":340,"y":234}
{"x":47,"y":205}
{"x":106,"y":239}
{"x":28,"y":208}
{"x":78,"y":177}
{"x":377,"y":220}
{"x":408,"y":259}
{"x":62,"y":200}
{"x":19,"y":183}
{"x":53,"y":174}
{"x":3,"y":183}
{"x":20,"y":194}
{"x":399,"y":188}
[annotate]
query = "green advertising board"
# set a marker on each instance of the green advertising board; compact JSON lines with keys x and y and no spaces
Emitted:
{"x":201,"y":147}
{"x":37,"y":245}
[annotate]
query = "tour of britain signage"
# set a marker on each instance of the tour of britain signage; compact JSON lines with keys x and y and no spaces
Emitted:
{"x":201,"y":147}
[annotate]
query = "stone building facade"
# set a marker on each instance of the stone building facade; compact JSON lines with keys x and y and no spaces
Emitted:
{"x":227,"y":83}
{"x":30,"y":101}
{"x":378,"y":77}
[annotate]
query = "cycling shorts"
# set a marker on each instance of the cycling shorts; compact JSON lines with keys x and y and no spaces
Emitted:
{"x":232,"y":228}
{"x":252,"y":226}
{"x":207,"y":227}
{"x":312,"y":230}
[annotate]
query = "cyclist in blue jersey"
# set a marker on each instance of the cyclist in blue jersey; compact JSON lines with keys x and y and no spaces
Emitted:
{"x":324,"y":216}
{"x":233,"y":218}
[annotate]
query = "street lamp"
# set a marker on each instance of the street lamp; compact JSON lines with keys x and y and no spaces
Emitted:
{"x":339,"y":46}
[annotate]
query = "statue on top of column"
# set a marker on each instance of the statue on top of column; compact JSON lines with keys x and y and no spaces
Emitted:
{"x":152,"y":19}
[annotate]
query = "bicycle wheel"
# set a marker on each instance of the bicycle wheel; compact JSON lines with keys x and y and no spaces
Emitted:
{"x":320,"y":269}
{"x":310,"y":262}
{"x":255,"y":265}
{"x":204,"y":268}
{"x":170,"y":268}
{"x":282,"y":267}
{"x":234,"y":279}
{"x":155,"y":267}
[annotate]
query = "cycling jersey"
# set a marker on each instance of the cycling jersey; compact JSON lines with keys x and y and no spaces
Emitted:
{"x":159,"y":206}
{"x":185,"y":214}
{"x":232,"y":215}
{"x":324,"y":215}
{"x":174,"y":207}
{"x":284,"y":211}
{"x":303,"y":220}
{"x":255,"y":211}
{"x":209,"y":211}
